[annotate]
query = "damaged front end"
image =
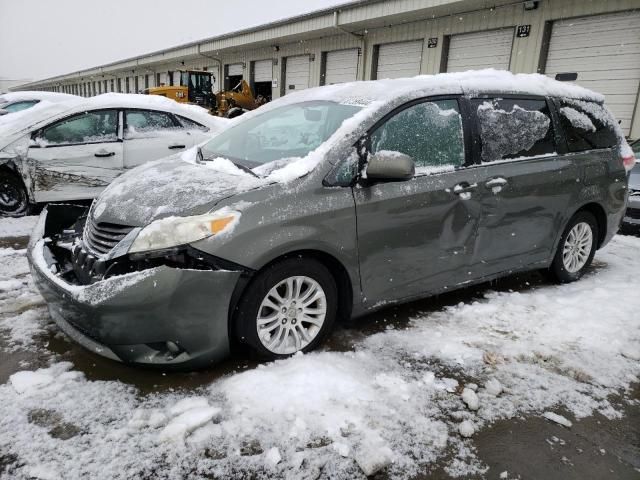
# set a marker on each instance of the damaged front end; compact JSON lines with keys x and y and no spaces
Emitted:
{"x":166,"y":307}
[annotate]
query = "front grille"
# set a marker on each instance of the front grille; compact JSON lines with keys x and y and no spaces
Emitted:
{"x":102,"y":237}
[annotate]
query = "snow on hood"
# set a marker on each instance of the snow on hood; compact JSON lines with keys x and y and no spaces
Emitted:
{"x":17,"y":122}
{"x":167,"y":187}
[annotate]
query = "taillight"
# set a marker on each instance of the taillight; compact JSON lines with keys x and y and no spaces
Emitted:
{"x":628,"y":162}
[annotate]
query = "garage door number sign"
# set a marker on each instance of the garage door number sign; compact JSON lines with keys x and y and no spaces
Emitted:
{"x":523,"y":31}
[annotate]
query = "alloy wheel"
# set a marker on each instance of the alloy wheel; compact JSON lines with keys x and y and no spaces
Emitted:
{"x":291,"y":315}
{"x":577,"y":247}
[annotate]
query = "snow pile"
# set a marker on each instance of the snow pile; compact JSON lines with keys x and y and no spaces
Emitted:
{"x":22,"y":312}
{"x":17,"y":227}
{"x":401,"y":400}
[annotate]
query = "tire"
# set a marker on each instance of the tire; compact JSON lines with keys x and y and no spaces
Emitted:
{"x":235,"y":112}
{"x":14,"y":200}
{"x":575,"y":251}
{"x":254,"y":308}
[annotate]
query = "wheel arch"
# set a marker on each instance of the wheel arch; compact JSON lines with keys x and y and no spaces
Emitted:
{"x":11,"y":168}
{"x":601,"y":218}
{"x":337,"y":270}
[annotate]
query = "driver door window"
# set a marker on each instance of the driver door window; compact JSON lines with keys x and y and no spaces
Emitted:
{"x":91,"y":127}
{"x":429,"y":132}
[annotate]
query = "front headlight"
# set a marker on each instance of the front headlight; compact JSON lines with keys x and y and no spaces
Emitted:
{"x":174,"y":231}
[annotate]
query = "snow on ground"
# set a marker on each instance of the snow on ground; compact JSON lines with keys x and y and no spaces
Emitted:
{"x":402,"y":399}
{"x":17,"y":227}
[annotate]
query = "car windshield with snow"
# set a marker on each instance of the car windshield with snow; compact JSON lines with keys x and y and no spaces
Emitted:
{"x":331,"y":203}
{"x":72,"y":150}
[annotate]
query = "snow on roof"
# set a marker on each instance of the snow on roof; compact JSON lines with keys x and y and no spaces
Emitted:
{"x":24,"y":119}
{"x":471,"y":82}
{"x":49,"y":96}
{"x":46,"y":111}
{"x":134,"y":100}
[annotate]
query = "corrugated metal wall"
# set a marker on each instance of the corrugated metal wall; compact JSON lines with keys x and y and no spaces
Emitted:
{"x":293,"y":38}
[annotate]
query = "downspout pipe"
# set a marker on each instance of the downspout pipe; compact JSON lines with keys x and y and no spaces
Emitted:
{"x":215,"y":59}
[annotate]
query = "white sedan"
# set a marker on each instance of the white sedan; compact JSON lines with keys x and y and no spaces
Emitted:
{"x":73,"y":151}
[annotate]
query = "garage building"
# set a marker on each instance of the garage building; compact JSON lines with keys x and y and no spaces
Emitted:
{"x":596,"y":42}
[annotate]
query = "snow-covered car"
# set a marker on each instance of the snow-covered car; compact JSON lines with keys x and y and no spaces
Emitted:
{"x":331,"y":203}
{"x":73,"y":150}
{"x":18,"y":101}
{"x":632,"y":216}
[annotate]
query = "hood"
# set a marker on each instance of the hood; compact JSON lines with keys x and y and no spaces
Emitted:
{"x":168,"y":187}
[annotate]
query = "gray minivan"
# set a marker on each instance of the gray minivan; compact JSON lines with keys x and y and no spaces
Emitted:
{"x":331,"y":203}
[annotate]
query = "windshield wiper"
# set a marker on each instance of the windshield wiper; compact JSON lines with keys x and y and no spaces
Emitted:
{"x":244,"y":168}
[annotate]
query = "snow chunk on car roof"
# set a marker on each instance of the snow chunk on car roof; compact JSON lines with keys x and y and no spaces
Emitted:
{"x":469,"y":82}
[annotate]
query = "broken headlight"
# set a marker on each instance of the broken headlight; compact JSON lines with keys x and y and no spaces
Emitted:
{"x":174,"y":231}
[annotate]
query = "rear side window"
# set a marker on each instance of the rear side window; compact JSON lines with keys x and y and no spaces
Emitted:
{"x":513,"y":128}
{"x":430,"y":132}
{"x":191,"y":125}
{"x":587,"y":125}
{"x":144,"y":122}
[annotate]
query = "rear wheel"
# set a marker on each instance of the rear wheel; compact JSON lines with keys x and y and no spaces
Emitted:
{"x":289,"y":307}
{"x":576,"y":249}
{"x":14,"y":201}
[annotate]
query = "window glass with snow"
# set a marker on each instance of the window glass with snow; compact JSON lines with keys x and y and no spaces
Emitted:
{"x":586,"y":125}
{"x":281,"y":134}
{"x":191,"y":125}
{"x":431,"y":133}
{"x":512,"y":128}
{"x":143,"y":122}
{"x":90,"y":127}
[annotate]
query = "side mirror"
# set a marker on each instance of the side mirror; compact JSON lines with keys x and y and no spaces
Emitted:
{"x":390,"y":166}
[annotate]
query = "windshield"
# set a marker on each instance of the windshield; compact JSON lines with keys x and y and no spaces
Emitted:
{"x":287,"y":132}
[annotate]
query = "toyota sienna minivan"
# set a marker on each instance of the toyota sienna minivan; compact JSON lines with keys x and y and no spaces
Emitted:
{"x":330,"y":203}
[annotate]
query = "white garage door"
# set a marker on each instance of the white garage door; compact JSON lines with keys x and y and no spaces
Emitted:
{"x":397,"y":60}
{"x":473,"y":51}
{"x":263,"y":71}
{"x":297,"y":73}
{"x":234,"y":69}
{"x":604,"y":51}
{"x":341,"y":66}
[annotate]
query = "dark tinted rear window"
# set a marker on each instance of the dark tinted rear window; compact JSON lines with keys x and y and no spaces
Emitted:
{"x":514,"y":128}
{"x":587,"y":125}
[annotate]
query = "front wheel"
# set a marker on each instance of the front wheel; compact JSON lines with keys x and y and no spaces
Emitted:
{"x":14,"y":201}
{"x":577,"y":247}
{"x":289,"y":307}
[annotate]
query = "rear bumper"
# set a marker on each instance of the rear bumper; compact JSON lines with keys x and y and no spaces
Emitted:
{"x":632,"y":214}
{"x":131,"y":317}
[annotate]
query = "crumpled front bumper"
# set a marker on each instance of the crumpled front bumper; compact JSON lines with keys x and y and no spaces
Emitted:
{"x":140,"y":317}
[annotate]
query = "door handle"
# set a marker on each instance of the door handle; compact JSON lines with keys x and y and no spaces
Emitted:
{"x":496,"y":182}
{"x":104,"y":153}
{"x":173,"y":147}
{"x":464,"y":187}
